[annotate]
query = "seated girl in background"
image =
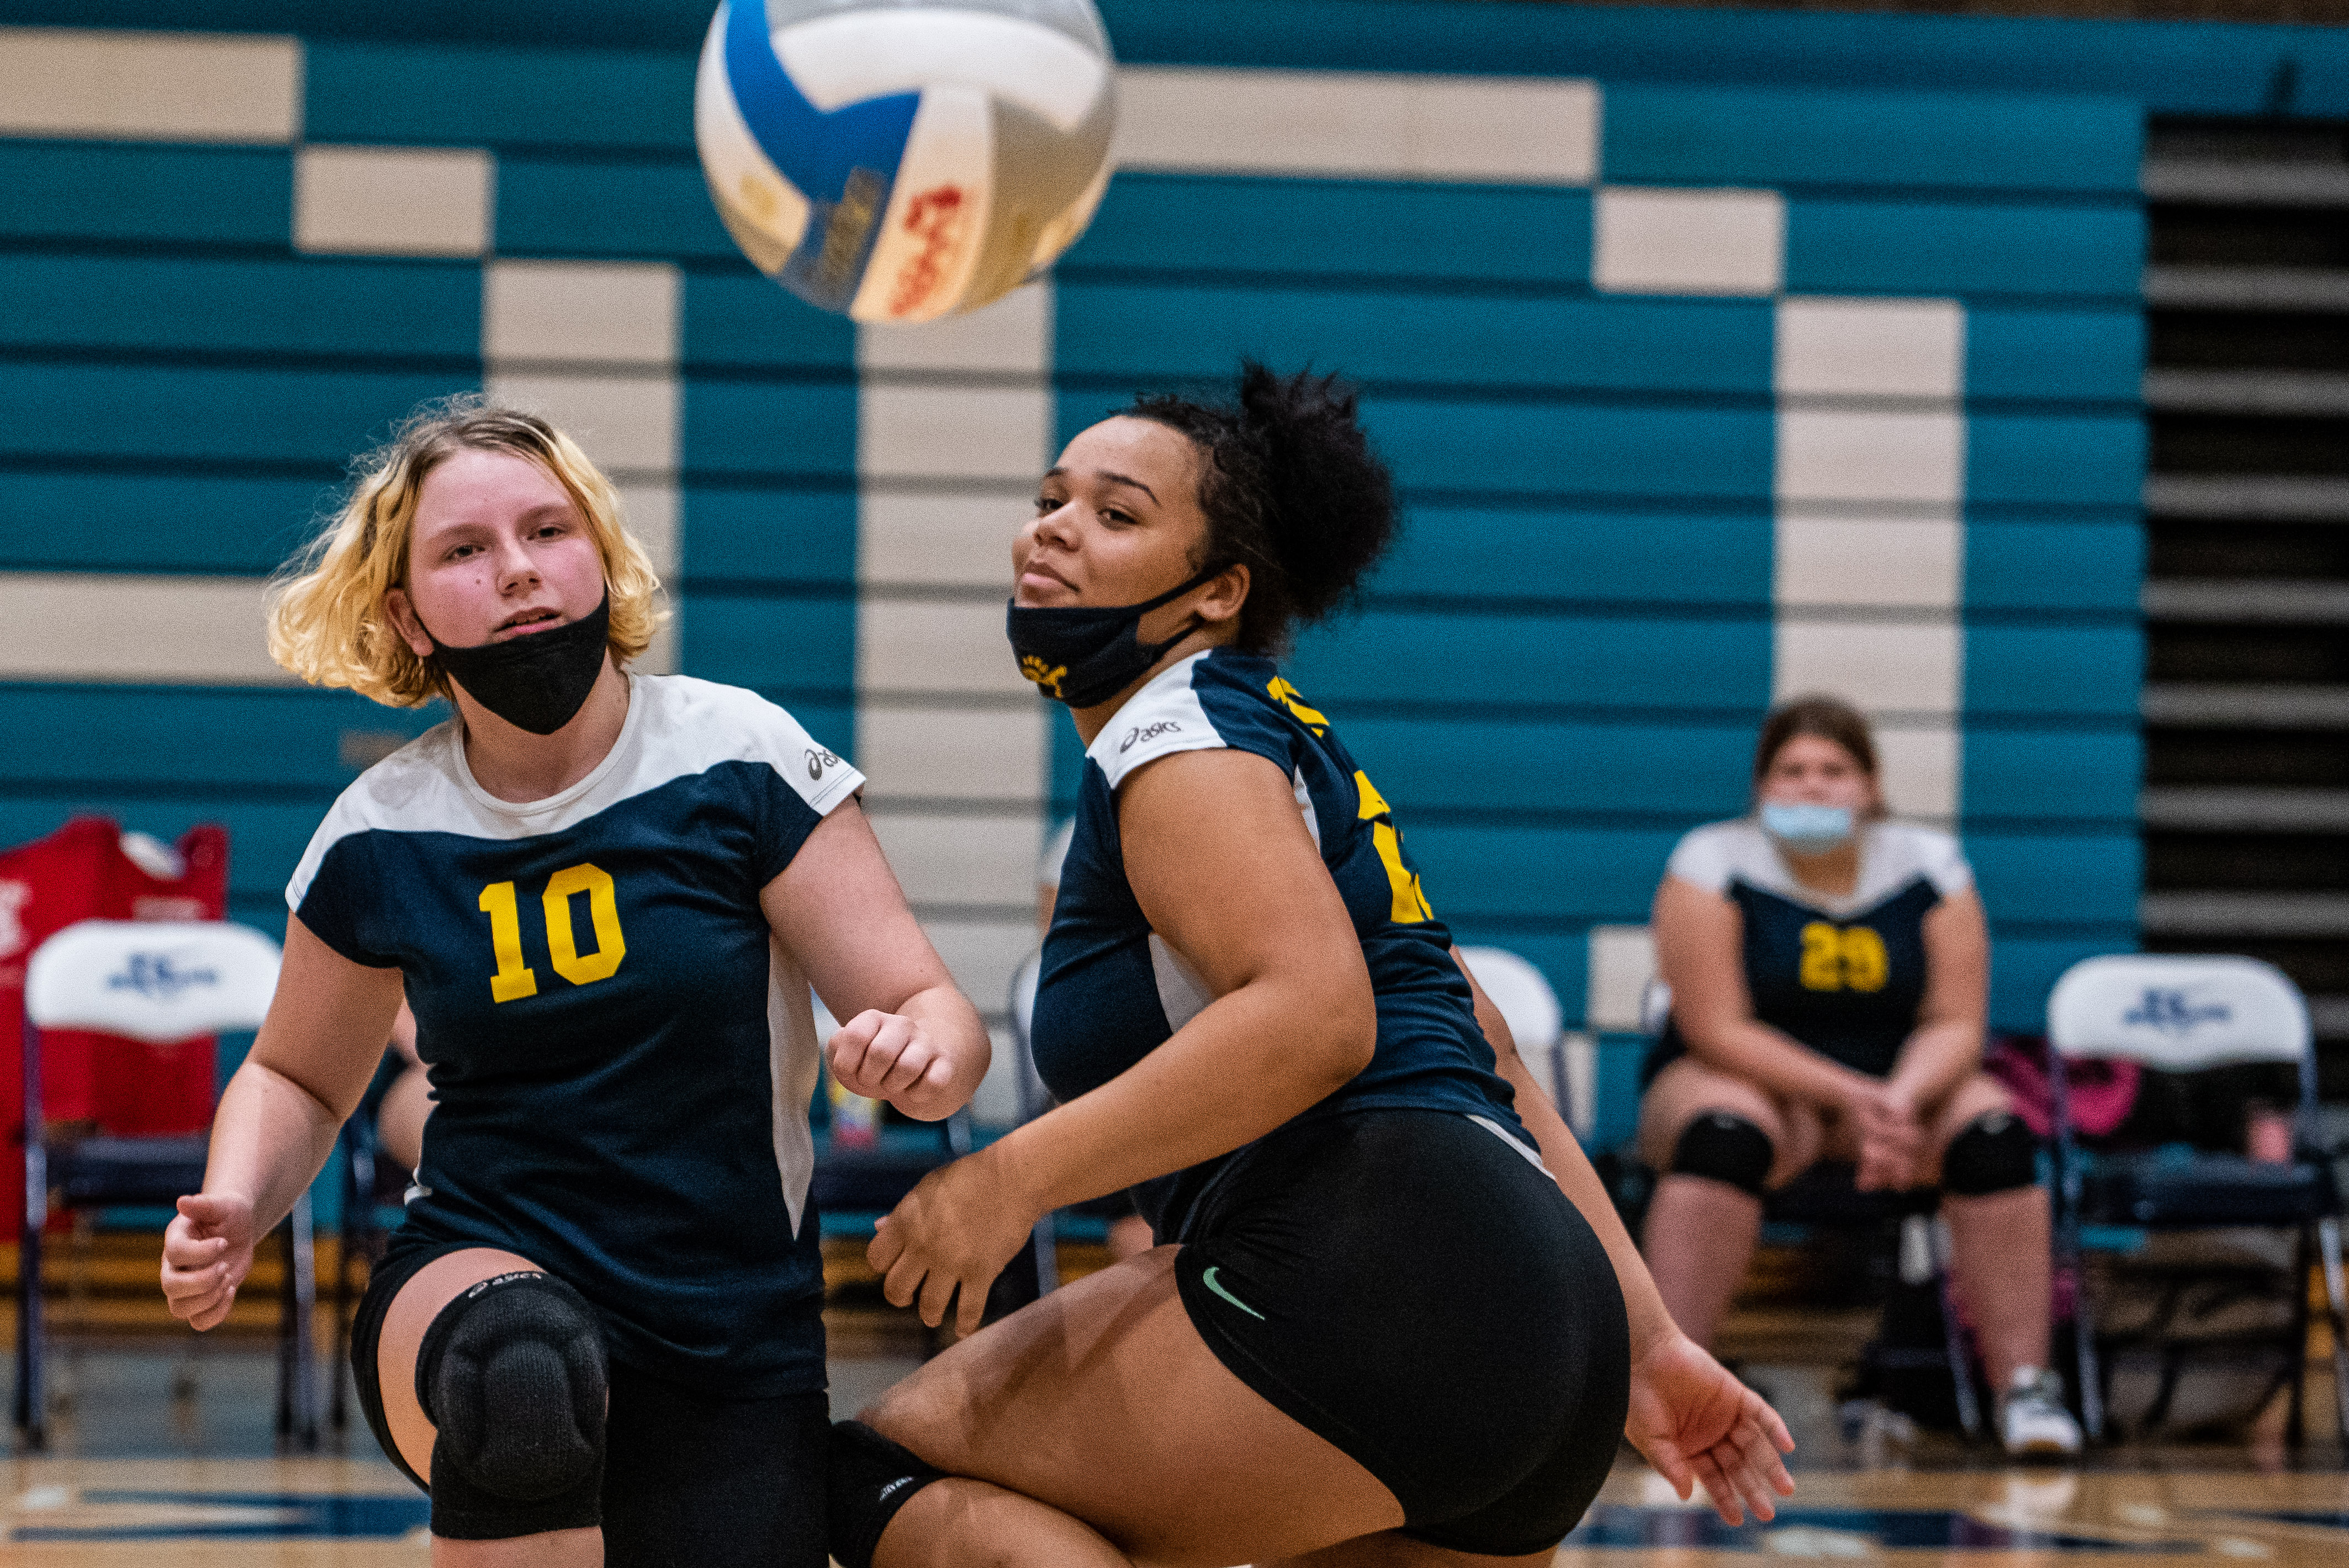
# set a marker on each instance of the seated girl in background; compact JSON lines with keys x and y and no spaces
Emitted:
{"x":1829,"y":975}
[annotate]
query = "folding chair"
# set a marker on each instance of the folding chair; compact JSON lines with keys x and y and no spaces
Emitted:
{"x":2181,"y":1013}
{"x":160,"y":982}
{"x":1531,"y":1010}
{"x":370,"y":1178}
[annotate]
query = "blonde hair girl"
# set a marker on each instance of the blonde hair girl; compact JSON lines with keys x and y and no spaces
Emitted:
{"x":327,"y":622}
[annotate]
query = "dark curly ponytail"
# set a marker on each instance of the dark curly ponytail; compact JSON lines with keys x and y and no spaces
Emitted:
{"x":1292,"y":487}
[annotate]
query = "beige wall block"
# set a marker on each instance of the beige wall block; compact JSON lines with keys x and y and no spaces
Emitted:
{"x":1622,"y":962}
{"x":150,"y":86}
{"x":651,"y":510}
{"x":970,"y":862}
{"x":1919,"y":766}
{"x":1871,"y":348}
{"x":1579,"y":1056}
{"x":920,"y":645}
{"x":1530,"y":130}
{"x":102,"y":627}
{"x":392,"y":200}
{"x":952,"y":754}
{"x":1880,"y":667}
{"x":952,"y":433}
{"x":1668,"y":240}
{"x":610,"y":312}
{"x":1013,"y":336}
{"x":660,"y":659}
{"x":628,"y":424}
{"x":983,"y":955}
{"x":943,"y":541}
{"x":1837,"y":456}
{"x":1875,"y":562}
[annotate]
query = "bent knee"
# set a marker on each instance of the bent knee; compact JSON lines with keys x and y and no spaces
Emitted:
{"x":1725,"y":1147}
{"x":511,"y":1373}
{"x":1994,"y":1153}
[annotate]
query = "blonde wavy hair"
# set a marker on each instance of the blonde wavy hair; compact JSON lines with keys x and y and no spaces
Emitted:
{"x":327,"y":618}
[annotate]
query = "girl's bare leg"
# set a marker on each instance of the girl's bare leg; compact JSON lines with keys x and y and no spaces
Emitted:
{"x":1095,"y":1428}
{"x":420,"y":1301}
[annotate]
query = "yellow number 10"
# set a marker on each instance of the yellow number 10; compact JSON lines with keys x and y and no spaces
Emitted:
{"x":515,"y":979}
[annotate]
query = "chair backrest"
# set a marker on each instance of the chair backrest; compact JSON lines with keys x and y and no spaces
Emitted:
{"x":2178,"y":1012}
{"x":153,"y":980}
{"x":1522,"y":994}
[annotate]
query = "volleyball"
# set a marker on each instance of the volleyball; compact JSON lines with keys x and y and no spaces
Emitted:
{"x":898,"y":162}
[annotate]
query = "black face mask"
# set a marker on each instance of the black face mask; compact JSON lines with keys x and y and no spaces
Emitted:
{"x":1082,"y":655}
{"x":537,"y":681}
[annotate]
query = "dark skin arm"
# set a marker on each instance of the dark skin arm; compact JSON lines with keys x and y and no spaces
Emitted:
{"x":1206,"y":834}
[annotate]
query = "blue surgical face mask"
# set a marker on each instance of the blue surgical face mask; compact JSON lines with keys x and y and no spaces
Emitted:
{"x":1804,"y":827}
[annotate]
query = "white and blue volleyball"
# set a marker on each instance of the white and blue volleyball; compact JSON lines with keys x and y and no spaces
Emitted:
{"x":902,"y":159}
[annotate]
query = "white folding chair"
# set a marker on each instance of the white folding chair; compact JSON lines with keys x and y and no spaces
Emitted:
{"x":160,"y":982}
{"x":1530,"y":1007}
{"x":2180,"y":1014}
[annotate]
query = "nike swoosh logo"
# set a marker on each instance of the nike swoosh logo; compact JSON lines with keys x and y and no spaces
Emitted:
{"x":1208,"y":1279}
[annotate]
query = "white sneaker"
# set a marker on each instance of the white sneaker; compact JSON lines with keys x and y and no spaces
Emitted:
{"x":2031,"y":1420}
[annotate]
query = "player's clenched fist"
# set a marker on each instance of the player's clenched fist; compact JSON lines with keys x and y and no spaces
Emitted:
{"x":207,"y":1253}
{"x":887,"y":1056}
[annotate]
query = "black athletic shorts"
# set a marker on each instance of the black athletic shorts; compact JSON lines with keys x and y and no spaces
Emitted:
{"x":1413,"y":1287}
{"x":687,"y":1478}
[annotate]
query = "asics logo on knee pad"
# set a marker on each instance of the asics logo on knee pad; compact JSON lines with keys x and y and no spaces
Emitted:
{"x":511,"y":1373}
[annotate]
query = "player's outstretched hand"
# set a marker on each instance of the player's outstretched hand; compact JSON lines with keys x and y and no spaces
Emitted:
{"x":887,"y":1056}
{"x":207,"y":1253}
{"x":1695,"y":1422}
{"x":953,"y":1233}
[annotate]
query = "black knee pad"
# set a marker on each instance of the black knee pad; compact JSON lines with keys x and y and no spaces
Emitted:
{"x":1993,"y":1153}
{"x":870,"y":1479}
{"x":1723,"y":1147}
{"x":511,"y":1373}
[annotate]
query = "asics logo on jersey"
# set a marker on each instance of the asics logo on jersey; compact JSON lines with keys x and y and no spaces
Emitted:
{"x":154,"y":975}
{"x":1208,"y":1279}
{"x":818,"y":759}
{"x":1139,"y":733}
{"x":1047,"y":675}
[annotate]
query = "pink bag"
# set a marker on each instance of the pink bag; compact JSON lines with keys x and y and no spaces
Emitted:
{"x":2102,"y":1092}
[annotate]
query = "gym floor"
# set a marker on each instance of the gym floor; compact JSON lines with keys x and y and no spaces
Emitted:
{"x":162,"y":1440}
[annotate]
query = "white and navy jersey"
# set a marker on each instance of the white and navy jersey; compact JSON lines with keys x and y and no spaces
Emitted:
{"x":1112,"y":991}
{"x":1846,"y":976}
{"x":622,"y":1054}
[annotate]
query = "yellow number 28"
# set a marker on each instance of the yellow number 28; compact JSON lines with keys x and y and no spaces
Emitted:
{"x":515,"y":979}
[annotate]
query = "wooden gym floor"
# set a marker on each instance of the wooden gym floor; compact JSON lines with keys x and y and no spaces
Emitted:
{"x":163,"y":1452}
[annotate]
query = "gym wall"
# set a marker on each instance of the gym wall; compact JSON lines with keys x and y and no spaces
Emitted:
{"x":1720,"y":355}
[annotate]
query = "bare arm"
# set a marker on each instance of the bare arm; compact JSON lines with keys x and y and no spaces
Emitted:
{"x":1688,"y":1415}
{"x":1946,"y":1047}
{"x":277,"y":1120}
{"x":1224,"y":871}
{"x":1700,"y":944}
{"x":1562,"y":1152}
{"x":911,"y":1038}
{"x":1227,"y":876}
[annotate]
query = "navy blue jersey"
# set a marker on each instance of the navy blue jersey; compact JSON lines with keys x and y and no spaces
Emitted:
{"x":621,"y":1053}
{"x":1845,"y":977}
{"x":1111,"y":990}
